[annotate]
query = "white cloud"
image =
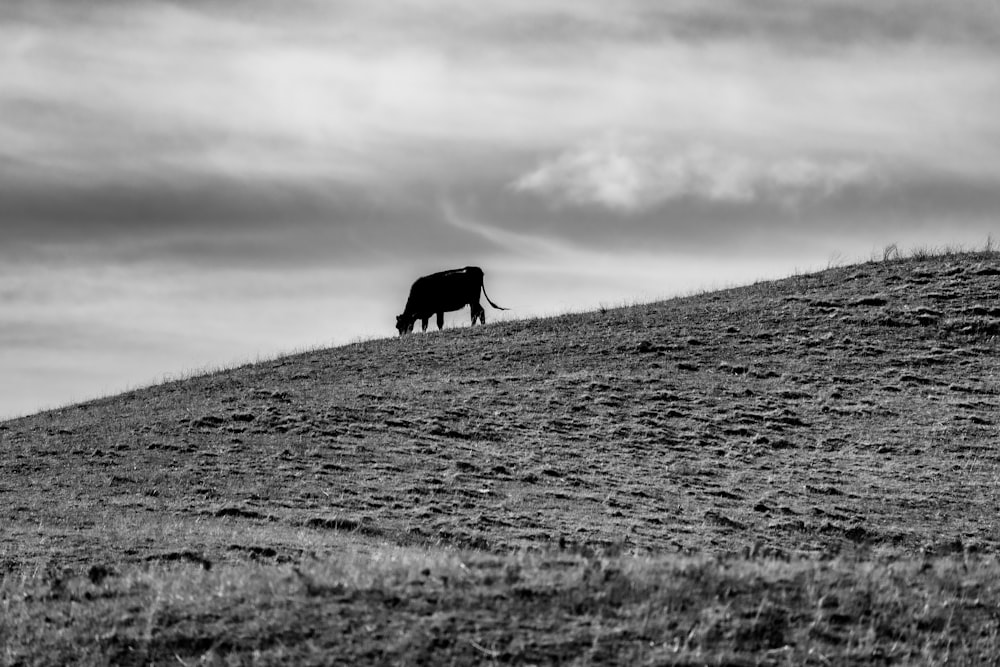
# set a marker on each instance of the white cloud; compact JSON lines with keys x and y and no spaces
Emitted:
{"x":592,"y":174}
{"x":633,"y":175}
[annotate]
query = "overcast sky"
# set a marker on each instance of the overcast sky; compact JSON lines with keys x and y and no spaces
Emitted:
{"x":189,"y":184}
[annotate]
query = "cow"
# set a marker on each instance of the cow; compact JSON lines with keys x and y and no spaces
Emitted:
{"x":444,"y":292}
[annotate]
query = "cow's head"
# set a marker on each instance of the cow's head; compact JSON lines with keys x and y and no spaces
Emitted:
{"x":404,"y":323}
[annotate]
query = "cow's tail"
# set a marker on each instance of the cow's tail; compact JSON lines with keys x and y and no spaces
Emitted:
{"x":490,"y":301}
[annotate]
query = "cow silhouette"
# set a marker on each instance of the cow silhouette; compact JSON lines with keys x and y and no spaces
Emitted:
{"x":444,"y":292}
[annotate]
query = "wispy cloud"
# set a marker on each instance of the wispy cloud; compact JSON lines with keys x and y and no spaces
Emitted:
{"x":634,"y":175}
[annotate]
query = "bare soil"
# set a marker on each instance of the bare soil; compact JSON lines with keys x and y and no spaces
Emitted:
{"x":850,"y":414}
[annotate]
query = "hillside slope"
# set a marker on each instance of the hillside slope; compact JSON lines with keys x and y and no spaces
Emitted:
{"x":794,"y":472}
{"x":856,"y":407}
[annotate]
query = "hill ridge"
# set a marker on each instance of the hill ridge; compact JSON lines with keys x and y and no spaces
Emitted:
{"x":979,"y":263}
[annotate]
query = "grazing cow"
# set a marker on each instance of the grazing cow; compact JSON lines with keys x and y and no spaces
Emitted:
{"x":444,"y":292}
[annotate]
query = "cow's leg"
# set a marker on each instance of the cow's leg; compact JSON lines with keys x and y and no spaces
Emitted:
{"x":478,"y":313}
{"x":423,"y":323}
{"x":440,"y":320}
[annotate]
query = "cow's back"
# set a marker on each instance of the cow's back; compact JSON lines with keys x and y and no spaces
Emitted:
{"x":445,"y":291}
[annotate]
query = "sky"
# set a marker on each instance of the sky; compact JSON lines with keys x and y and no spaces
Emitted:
{"x":185,"y":186}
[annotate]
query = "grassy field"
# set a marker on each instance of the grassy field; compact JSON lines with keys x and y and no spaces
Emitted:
{"x":802,"y":471}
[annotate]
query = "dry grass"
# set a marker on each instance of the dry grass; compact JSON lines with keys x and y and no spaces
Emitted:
{"x":409,"y":606}
{"x":791,"y":472}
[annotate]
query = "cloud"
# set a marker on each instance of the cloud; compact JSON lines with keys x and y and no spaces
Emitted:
{"x":807,"y":25}
{"x":213,"y":121}
{"x":361,"y":93}
{"x":547,"y":23}
{"x":629,"y":176}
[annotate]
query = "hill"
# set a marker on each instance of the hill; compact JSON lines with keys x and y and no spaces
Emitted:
{"x":801,"y":470}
